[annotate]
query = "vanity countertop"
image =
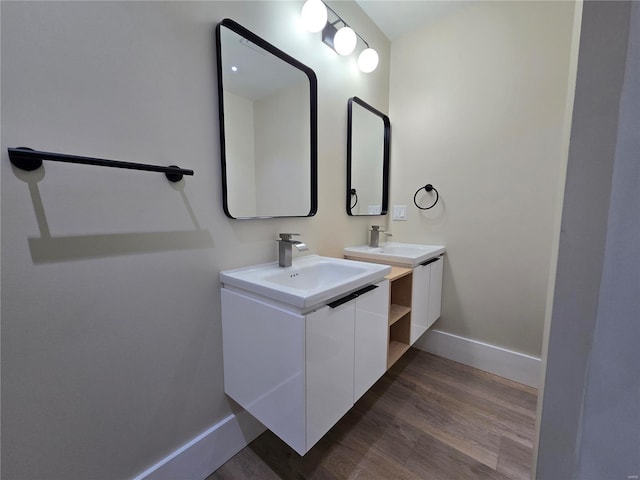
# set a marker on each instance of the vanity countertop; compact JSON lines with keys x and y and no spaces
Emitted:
{"x":395,"y":253}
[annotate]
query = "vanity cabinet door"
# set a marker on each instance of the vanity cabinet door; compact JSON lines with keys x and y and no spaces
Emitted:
{"x":420,"y":301}
{"x":329,"y":368}
{"x":264,"y":364}
{"x":426,"y":296}
{"x":371,"y":331}
{"x":435,"y":291}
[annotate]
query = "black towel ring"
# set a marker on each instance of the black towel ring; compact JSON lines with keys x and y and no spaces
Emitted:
{"x":353,"y":192}
{"x":428,"y":187}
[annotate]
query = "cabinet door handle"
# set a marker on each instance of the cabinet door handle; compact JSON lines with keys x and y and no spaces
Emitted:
{"x":364,"y":290}
{"x":343,"y":300}
{"x":351,"y":296}
{"x":433,"y":260}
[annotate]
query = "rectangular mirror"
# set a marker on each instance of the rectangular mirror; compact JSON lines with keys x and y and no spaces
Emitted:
{"x":368,"y":141}
{"x":268,"y":127}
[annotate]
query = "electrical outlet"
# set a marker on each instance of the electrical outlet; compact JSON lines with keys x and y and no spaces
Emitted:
{"x":400,"y":212}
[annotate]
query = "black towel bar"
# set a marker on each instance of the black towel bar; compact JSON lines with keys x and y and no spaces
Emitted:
{"x":28,"y":159}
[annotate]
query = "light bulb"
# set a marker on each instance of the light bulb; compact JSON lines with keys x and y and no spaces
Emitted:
{"x":344,"y":41}
{"x":314,"y":15}
{"x":368,"y":60}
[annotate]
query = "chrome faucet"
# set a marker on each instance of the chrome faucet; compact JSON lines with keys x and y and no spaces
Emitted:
{"x":285,"y":253}
{"x":375,"y":236}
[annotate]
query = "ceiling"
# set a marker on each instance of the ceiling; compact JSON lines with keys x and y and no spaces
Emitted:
{"x":399,"y":17}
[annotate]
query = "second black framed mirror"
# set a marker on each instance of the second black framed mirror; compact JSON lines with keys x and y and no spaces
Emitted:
{"x":368,"y":146}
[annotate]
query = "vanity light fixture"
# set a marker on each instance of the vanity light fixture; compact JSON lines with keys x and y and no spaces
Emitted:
{"x":314,"y":15}
{"x":342,"y":39}
{"x":368,"y":60}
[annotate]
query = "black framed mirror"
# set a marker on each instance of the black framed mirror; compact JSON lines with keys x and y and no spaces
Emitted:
{"x":368,"y":144}
{"x":267,"y":104}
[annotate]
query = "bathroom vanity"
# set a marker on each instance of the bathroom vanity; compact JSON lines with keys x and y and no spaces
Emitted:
{"x":302,"y":344}
{"x":416,"y":288}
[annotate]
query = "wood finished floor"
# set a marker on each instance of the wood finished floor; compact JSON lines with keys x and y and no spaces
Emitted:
{"x":426,"y":418}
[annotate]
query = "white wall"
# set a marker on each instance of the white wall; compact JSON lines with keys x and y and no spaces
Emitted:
{"x":477,"y":106}
{"x":241,"y":166}
{"x":367,"y":158}
{"x":282,"y":132}
{"x":111,"y":342}
{"x":589,"y":415}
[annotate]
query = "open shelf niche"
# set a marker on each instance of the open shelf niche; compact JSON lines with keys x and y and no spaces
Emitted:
{"x":399,"y":313}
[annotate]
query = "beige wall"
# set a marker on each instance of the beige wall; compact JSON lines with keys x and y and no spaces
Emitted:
{"x":111,"y":341}
{"x":478,"y":109}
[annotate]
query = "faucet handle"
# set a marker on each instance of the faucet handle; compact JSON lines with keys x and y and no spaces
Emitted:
{"x":287,"y":236}
{"x":377,"y":228}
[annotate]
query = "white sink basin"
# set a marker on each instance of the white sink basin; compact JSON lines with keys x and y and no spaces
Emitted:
{"x":310,"y":281}
{"x":394,"y":253}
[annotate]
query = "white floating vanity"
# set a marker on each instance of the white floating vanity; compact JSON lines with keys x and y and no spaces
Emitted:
{"x":302,"y":344}
{"x":416,"y":288}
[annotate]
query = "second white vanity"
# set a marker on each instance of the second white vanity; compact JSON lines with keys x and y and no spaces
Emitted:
{"x":416,"y":288}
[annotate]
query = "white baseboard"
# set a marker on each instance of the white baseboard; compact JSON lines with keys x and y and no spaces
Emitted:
{"x":204,"y":454}
{"x":515,"y":366}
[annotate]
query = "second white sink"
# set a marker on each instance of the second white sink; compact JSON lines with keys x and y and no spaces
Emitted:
{"x":395,"y":253}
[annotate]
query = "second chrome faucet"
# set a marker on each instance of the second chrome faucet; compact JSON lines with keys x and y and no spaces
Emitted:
{"x":285,"y":244}
{"x":375,"y":236}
